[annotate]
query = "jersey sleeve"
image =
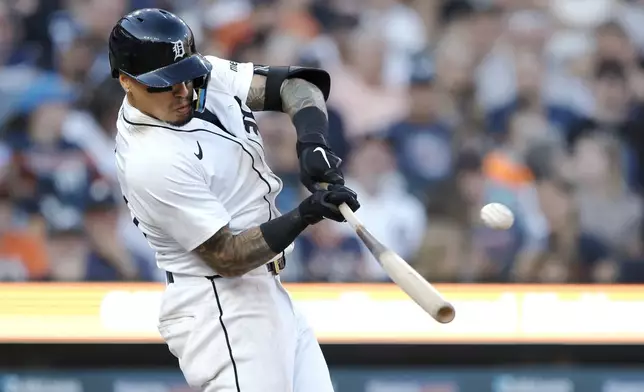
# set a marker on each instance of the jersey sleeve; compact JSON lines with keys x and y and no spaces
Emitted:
{"x":231,"y":77}
{"x":174,"y":196}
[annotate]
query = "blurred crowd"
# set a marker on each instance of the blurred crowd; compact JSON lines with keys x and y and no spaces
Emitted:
{"x":437,"y":108}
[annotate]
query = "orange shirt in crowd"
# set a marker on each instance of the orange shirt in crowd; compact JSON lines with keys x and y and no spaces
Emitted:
{"x":25,"y":248}
{"x":502,"y":169}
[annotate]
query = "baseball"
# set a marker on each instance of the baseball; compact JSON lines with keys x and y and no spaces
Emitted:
{"x":497,"y":216}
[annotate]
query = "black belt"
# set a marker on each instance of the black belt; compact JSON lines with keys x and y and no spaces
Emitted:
{"x":274,"y":267}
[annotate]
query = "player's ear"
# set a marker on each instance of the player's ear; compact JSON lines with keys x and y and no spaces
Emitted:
{"x":126,"y":83}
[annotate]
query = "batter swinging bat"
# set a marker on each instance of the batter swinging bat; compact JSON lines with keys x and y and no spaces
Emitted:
{"x":410,"y":281}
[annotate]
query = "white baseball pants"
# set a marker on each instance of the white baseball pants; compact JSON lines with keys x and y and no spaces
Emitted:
{"x":241,"y":335}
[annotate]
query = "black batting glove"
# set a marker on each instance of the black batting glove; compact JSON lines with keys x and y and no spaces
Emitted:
{"x":318,"y":164}
{"x":324,"y":204}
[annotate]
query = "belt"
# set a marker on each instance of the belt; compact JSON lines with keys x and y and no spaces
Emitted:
{"x":274,"y":267}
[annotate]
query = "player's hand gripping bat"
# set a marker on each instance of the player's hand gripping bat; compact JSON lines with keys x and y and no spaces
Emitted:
{"x":410,"y":281}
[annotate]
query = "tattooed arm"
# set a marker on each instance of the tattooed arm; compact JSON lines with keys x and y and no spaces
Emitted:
{"x":235,"y":254}
{"x":305,"y":103}
{"x":296,"y":94}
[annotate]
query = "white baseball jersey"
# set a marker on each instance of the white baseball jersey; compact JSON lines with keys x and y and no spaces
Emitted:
{"x":183,"y":184}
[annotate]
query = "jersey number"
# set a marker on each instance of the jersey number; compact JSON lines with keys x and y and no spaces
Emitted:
{"x":249,"y":119}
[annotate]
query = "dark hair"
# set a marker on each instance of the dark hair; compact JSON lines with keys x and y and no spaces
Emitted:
{"x":454,"y":10}
{"x":468,"y":161}
{"x":640,"y":62}
{"x":256,"y":41}
{"x":612,"y":27}
{"x":610,"y":69}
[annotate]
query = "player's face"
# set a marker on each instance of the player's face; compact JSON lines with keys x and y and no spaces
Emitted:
{"x":173,"y":106}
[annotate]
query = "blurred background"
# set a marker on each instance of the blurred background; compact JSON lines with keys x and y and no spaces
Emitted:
{"x":437,"y":108}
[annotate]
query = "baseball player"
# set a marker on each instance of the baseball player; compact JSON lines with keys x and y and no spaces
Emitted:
{"x":193,"y":172}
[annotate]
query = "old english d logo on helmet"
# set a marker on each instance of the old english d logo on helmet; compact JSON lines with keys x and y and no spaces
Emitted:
{"x":157,"y":48}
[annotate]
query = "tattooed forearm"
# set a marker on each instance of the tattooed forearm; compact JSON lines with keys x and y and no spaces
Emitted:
{"x":257,"y":93}
{"x":298,"y":93}
{"x":235,"y":254}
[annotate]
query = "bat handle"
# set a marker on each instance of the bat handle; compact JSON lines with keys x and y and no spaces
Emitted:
{"x":351,"y":218}
{"x":345,"y":210}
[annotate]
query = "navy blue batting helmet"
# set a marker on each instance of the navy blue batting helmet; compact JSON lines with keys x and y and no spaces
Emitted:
{"x":157,"y":48}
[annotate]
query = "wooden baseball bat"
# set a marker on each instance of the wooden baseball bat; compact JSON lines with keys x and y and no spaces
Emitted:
{"x":410,"y":281}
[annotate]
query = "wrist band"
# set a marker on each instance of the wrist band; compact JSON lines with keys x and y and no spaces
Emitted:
{"x":280,"y":232}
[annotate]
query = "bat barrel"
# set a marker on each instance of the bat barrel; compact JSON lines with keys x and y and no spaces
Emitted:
{"x":418,"y":289}
{"x":445,"y":314}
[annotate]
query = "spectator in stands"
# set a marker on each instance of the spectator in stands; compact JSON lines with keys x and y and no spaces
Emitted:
{"x":516,"y":75}
{"x":422,"y":142}
{"x":80,"y":30}
{"x":403,"y":34}
{"x":511,"y":182}
{"x":614,"y":44}
{"x":23,"y":256}
{"x":454,"y":60}
{"x":34,"y":138}
{"x":392,"y":214}
{"x":74,"y":62}
{"x":58,"y":181}
{"x":365,"y":103}
{"x":68,"y":247}
{"x":448,"y":253}
{"x":12,"y":51}
{"x":251,"y":50}
{"x":614,"y":114}
{"x":455,"y":94}
{"x":93,"y":128}
{"x":18,"y":62}
{"x":31,"y":19}
{"x":530,"y":104}
{"x":486,"y":27}
{"x":560,"y":260}
{"x":635,"y":138}
{"x":226,"y":24}
{"x":609,"y":212}
{"x":328,"y":252}
{"x":110,"y":257}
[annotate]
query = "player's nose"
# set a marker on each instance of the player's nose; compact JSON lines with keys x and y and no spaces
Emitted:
{"x":181,"y":90}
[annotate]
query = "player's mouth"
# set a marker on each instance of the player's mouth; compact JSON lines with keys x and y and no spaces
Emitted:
{"x":185,"y":109}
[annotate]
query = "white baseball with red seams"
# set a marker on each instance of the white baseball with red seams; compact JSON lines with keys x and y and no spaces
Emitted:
{"x":497,"y":216}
